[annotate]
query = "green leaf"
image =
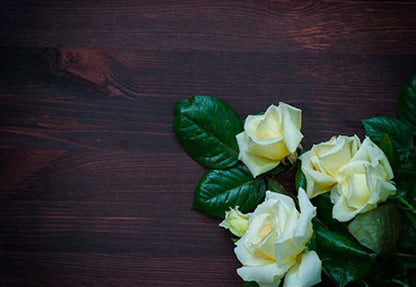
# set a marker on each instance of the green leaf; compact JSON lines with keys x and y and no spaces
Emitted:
{"x":377,"y":229}
{"x":410,"y":261}
{"x":326,"y":279}
{"x":277,"y":170}
{"x":399,"y":133}
{"x":324,"y":213}
{"x":412,"y":219}
{"x":405,"y":176}
{"x":206,"y":127}
{"x":218,"y":190}
{"x":386,"y":271}
{"x":406,"y":102}
{"x":407,"y":170}
{"x":300,"y":179}
{"x":407,"y":239}
{"x":276,"y":186}
{"x":407,"y":191}
{"x":344,"y":259}
{"x":386,"y":145}
{"x":412,"y":276}
{"x":251,"y":284}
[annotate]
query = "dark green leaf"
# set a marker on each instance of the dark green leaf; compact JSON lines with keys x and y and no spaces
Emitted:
{"x":278,"y":169}
{"x":410,"y":261}
{"x":300,"y":179}
{"x":412,"y":278}
{"x":220,"y":189}
{"x":251,"y":284}
{"x":344,"y":259}
{"x":206,"y":127}
{"x":386,"y":144}
{"x":399,"y":133}
{"x":412,"y":219}
{"x":407,"y":170}
{"x":407,"y":190}
{"x":405,"y":183}
{"x":397,"y":283}
{"x":326,"y":280}
{"x":387,"y":269}
{"x":388,"y":283}
{"x":377,"y":229}
{"x":276,"y":186}
{"x":324,"y":213}
{"x":407,"y":237}
{"x":406,"y":102}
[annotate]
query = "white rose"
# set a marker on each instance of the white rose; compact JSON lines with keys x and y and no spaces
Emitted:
{"x":269,"y":138}
{"x":274,"y":244}
{"x":362,"y":183}
{"x":235,"y":221}
{"x":358,"y":175}
{"x":320,"y":165}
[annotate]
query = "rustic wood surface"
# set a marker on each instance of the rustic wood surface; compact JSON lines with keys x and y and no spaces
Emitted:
{"x":94,"y":188}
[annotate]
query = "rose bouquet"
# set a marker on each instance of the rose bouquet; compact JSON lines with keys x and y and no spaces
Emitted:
{"x":351,"y":220}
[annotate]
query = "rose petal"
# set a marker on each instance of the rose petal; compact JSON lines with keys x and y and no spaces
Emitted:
{"x":286,"y":251}
{"x":285,"y":248}
{"x":274,"y":150}
{"x":265,"y":276}
{"x":256,"y":165}
{"x":307,"y":272}
{"x":252,"y":239}
{"x":339,"y":155}
{"x":316,"y":182}
{"x":267,"y":127}
{"x":341,"y":210}
{"x":358,"y":190}
{"x":245,"y":257}
{"x":287,"y":200}
{"x":291,"y":118}
{"x":371,"y":153}
{"x":297,"y":232}
{"x":303,"y":231}
{"x":382,"y":191}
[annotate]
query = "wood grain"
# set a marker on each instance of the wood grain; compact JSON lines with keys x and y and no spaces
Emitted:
{"x":353,"y":27}
{"x":95,"y":190}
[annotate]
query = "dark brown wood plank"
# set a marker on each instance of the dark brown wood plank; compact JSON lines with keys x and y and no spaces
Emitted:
{"x":81,"y":176}
{"x":76,"y":107}
{"x":132,"y":269}
{"x":353,"y":27}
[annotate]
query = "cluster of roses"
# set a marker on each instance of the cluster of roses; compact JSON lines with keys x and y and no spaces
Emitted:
{"x":274,"y":238}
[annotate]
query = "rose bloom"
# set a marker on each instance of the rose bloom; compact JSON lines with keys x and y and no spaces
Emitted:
{"x":274,"y":244}
{"x":362,"y":183}
{"x":321,"y":164}
{"x":358,"y":175}
{"x":267,"y":139}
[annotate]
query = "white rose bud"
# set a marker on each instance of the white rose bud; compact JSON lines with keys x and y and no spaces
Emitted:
{"x":235,"y":221}
{"x":274,"y":244}
{"x":320,"y":165}
{"x":362,"y":183}
{"x":269,"y":138}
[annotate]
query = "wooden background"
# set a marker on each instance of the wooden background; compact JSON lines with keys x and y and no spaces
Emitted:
{"x":94,"y":188}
